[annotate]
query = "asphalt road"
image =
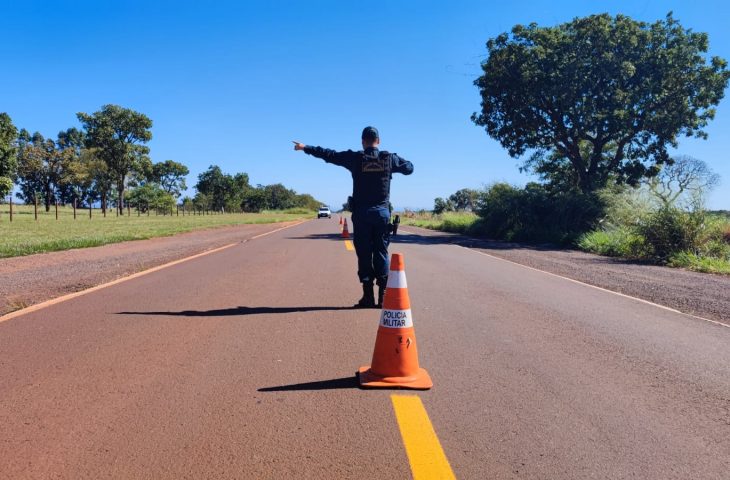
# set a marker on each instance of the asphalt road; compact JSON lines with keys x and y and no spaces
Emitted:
{"x":240,"y":364}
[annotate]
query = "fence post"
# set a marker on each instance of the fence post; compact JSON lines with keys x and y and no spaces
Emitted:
{"x":74,"y":209}
{"x":90,"y":209}
{"x":129,"y":209}
{"x":11,"y":208}
{"x":35,"y":207}
{"x":56,"y":209}
{"x":177,"y":210}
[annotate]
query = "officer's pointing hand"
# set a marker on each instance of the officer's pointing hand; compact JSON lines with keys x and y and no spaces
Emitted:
{"x":298,"y":146}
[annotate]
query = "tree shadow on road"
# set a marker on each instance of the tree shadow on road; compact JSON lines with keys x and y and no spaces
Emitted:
{"x":421,"y":236}
{"x":237,"y":311}
{"x":333,"y":384}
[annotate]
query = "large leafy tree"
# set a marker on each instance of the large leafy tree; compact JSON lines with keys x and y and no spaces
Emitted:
{"x":150,"y":196}
{"x":8,"y":160}
{"x":278,"y":197}
{"x":254,"y":200}
{"x":118,"y":136}
{"x":216,"y":187}
{"x":600,"y":98}
{"x":170,"y":175}
{"x":464,"y":199}
{"x":42,"y":167}
{"x":71,"y":141}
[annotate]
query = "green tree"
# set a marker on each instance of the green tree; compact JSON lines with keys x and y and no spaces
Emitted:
{"x":240,"y":185}
{"x":150,"y":196}
{"x":8,"y":159}
{"x":201,"y":201}
{"x":42,"y":167}
{"x":440,"y":206}
{"x":216,"y":186}
{"x":464,"y":199}
{"x":187,"y":203}
{"x":307,"y":201}
{"x":170,"y":175}
{"x":71,"y":142}
{"x":254,"y":200}
{"x":278,"y":197}
{"x":118,"y":134}
{"x":94,"y":179}
{"x":603,"y":97}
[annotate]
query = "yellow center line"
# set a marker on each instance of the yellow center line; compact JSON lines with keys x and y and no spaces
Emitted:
{"x":425,"y":454}
{"x":349,"y":245}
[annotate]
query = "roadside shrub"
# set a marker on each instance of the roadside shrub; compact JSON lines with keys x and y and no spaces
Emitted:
{"x":670,"y":230}
{"x":625,"y":207}
{"x":716,"y":249}
{"x":699,"y":263}
{"x":534,"y":214}
{"x":615,"y":242}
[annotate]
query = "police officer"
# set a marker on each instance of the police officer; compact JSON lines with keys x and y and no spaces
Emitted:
{"x":371,"y":172}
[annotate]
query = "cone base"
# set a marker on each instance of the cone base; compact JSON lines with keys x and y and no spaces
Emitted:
{"x":420,"y":381}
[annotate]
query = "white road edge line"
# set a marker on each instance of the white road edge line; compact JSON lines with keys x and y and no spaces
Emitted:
{"x":663,"y":307}
{"x":63,"y":298}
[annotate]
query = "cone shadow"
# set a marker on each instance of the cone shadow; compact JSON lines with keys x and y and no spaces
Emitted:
{"x":333,"y":384}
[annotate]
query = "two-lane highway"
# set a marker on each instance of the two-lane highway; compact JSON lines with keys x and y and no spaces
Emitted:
{"x":240,"y":364}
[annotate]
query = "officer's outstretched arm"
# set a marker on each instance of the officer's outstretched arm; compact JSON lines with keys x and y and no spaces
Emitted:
{"x":400,"y":165}
{"x":343,"y":159}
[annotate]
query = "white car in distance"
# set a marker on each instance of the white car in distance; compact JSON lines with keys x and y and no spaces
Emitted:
{"x":324,"y":212}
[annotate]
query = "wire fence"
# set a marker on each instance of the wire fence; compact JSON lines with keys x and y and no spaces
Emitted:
{"x":11,"y":211}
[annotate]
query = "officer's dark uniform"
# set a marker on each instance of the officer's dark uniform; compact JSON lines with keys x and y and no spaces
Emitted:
{"x":371,"y":174}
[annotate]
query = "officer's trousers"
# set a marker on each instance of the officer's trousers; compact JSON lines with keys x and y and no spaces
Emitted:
{"x":371,"y":238}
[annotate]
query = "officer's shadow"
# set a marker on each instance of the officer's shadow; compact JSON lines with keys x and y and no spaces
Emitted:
{"x":237,"y":311}
{"x":319,"y":236}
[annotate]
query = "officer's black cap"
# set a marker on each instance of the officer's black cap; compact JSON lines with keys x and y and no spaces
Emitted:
{"x":370,"y":134}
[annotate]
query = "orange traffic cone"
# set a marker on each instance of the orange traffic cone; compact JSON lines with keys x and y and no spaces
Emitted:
{"x":340,"y":219}
{"x":345,"y":231}
{"x":395,"y":359}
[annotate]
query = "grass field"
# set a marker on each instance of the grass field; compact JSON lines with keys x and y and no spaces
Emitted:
{"x":25,"y":235}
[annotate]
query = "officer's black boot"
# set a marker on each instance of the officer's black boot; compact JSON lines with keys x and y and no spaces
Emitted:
{"x":382,"y":282}
{"x":368,"y":297}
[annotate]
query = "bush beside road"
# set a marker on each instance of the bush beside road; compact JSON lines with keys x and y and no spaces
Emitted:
{"x":616,"y":222}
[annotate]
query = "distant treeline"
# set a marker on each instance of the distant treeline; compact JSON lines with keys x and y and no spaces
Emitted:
{"x":107,"y":161}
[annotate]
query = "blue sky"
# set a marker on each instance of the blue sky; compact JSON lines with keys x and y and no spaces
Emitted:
{"x":233,"y":83}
